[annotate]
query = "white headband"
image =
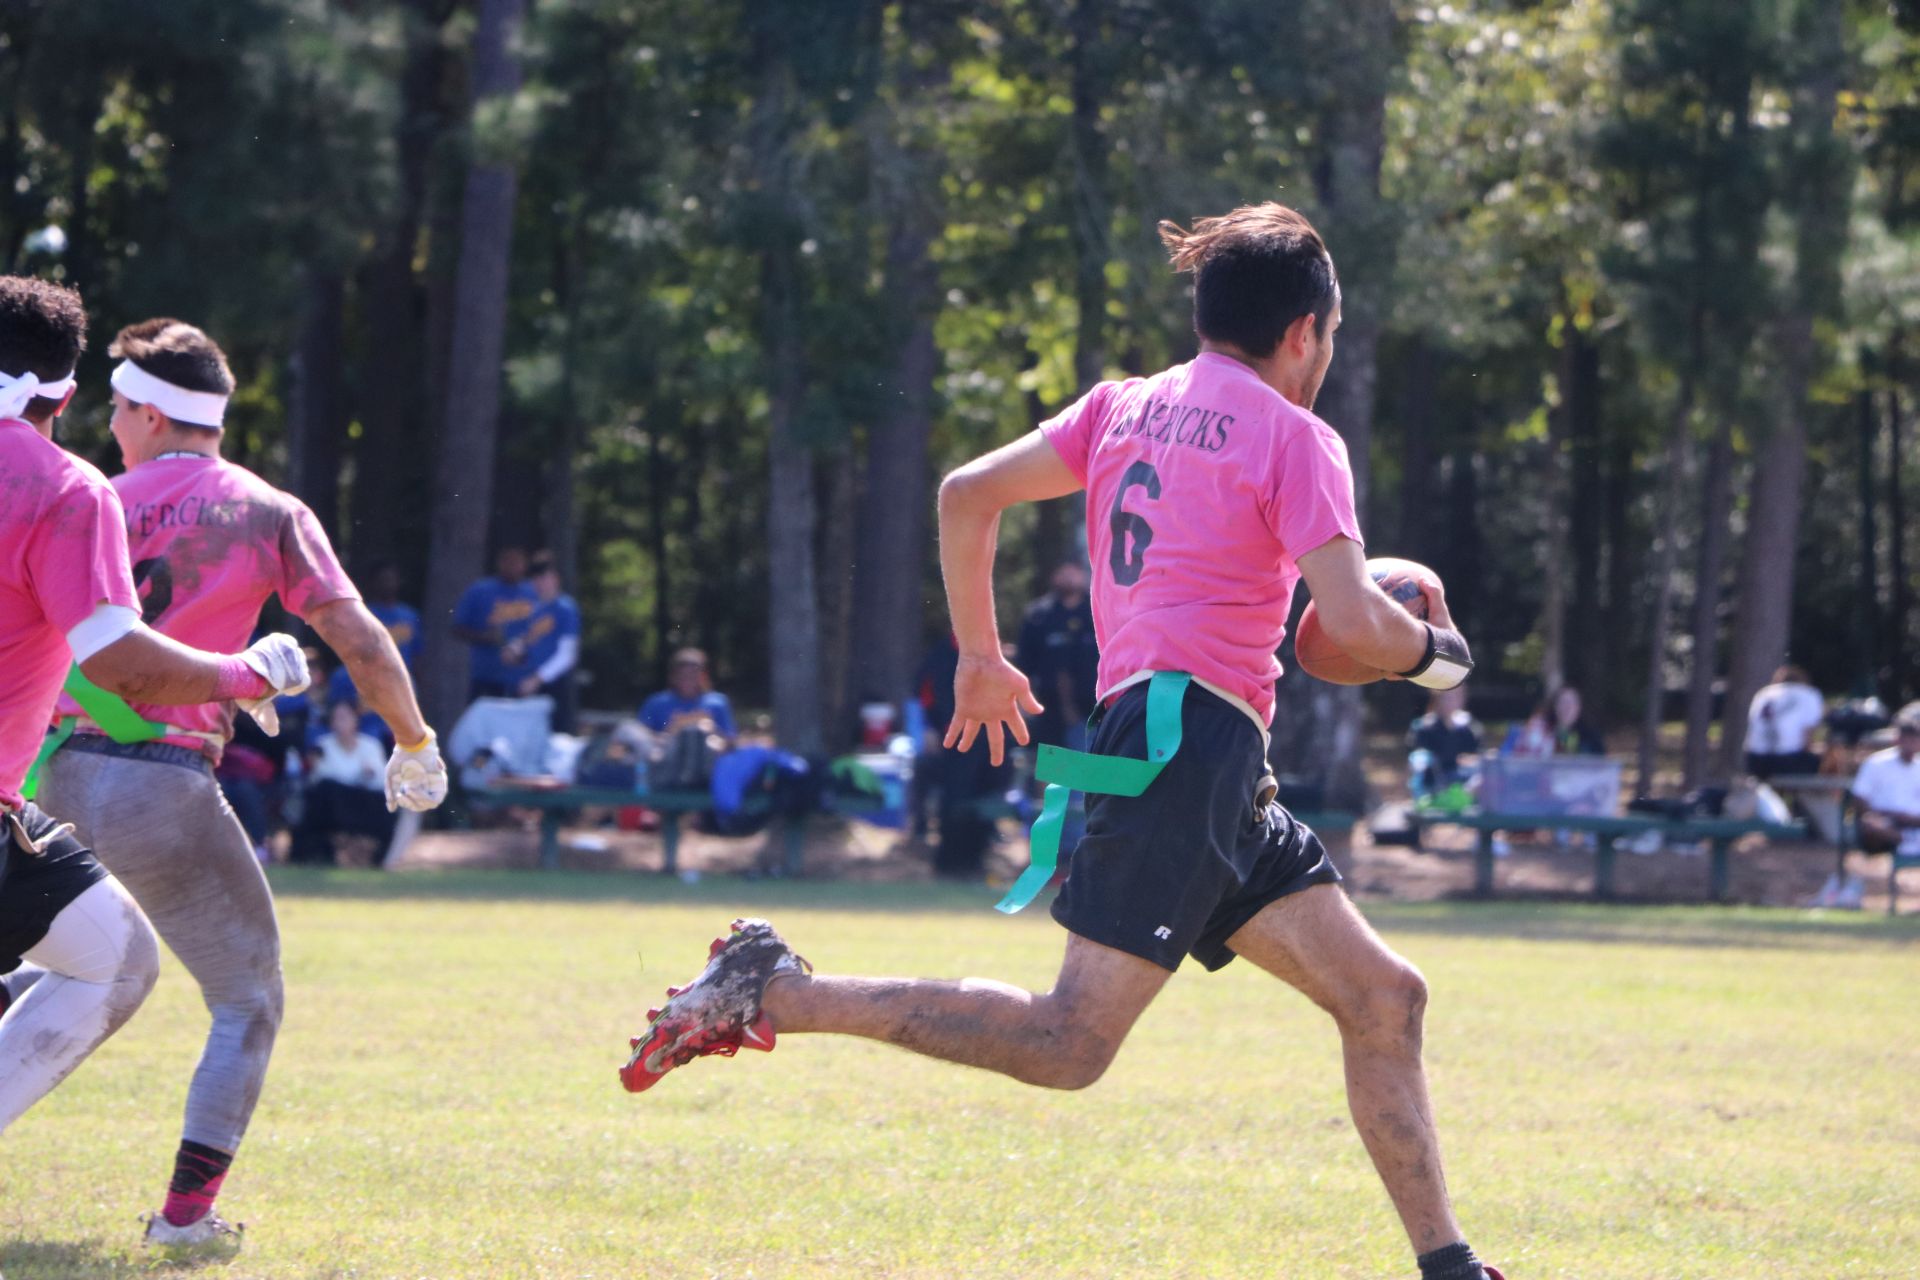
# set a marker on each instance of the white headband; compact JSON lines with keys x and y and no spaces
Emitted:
{"x":196,"y":408}
{"x":17,"y":391}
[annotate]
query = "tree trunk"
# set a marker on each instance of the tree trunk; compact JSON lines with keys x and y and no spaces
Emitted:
{"x":658,"y":491}
{"x":1359,"y":42}
{"x":1866,"y":592}
{"x":793,"y":623}
{"x":1817,"y":190}
{"x":1611,"y":644}
{"x":560,"y":513}
{"x":1666,"y":561}
{"x":793,"y":603}
{"x":1466,"y":552}
{"x":389,"y":467}
{"x":1089,"y":226}
{"x":1901,"y":682}
{"x":1716,"y":507}
{"x":1553,"y":559}
{"x":317,"y":423}
{"x":1419,"y":448}
{"x":463,"y":488}
{"x":890,"y":599}
{"x":840,"y":499}
{"x":1580,"y":391}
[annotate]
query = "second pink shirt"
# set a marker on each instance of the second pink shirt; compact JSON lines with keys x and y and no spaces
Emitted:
{"x":210,"y":541}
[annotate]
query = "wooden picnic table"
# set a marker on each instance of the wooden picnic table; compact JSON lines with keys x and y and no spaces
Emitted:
{"x":1719,"y":832}
{"x":554,"y":803}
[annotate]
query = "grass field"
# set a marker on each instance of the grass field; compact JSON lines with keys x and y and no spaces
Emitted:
{"x":1657,"y":1093}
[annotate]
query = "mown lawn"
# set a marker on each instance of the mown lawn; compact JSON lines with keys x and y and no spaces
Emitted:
{"x":1657,"y":1093}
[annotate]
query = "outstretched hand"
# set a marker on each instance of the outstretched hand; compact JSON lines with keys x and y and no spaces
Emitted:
{"x":989,"y":693}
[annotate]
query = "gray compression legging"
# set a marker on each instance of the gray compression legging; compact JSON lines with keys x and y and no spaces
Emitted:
{"x":168,"y":835}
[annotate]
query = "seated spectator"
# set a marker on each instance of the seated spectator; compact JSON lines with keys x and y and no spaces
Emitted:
{"x":1557,"y":727}
{"x":1450,"y":739}
{"x":1888,"y":789}
{"x":346,"y":790}
{"x":1780,"y":724}
{"x":696,"y":722}
{"x":541,"y":652}
{"x":482,"y":617}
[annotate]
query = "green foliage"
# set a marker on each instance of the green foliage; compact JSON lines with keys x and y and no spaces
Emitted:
{"x":1616,"y":170}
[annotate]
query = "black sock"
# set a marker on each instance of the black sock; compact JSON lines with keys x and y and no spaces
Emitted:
{"x":1454,"y":1262}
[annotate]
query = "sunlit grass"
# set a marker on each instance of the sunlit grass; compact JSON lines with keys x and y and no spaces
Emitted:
{"x":1623,"y":1093}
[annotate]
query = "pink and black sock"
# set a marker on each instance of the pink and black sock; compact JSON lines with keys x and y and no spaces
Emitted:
{"x":198,"y":1172}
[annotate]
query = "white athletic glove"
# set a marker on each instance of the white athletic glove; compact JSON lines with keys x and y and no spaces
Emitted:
{"x":416,"y":777}
{"x":277,"y":660}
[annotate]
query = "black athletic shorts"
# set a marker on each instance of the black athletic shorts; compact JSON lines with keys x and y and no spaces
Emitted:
{"x":1176,"y":871}
{"x":36,"y":887}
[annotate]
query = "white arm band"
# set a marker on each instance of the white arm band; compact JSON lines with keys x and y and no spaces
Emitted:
{"x":106,"y":624}
{"x":566,"y":652}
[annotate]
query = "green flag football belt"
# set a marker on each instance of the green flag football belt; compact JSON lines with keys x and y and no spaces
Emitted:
{"x":1066,"y":771}
{"x":116,"y":719}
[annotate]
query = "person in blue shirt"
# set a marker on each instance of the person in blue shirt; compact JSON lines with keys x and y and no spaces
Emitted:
{"x":402,"y":622}
{"x":483,"y":616}
{"x":689,"y":700}
{"x":542,"y":651}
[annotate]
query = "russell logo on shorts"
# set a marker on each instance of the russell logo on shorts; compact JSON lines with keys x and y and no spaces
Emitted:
{"x":1163,"y":933}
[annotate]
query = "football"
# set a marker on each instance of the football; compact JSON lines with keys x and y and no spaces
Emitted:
{"x":1320,"y":657}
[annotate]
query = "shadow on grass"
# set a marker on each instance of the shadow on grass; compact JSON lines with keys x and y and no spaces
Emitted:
{"x":1541,"y":920}
{"x":63,"y":1260}
{"x":1548,"y":920}
{"x":736,"y":893}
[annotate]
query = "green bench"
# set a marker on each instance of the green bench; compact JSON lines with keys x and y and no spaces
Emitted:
{"x":1720,"y":833}
{"x":554,"y":803}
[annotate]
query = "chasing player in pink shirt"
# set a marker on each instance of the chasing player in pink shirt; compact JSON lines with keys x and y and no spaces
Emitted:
{"x":209,"y":543}
{"x":66,"y":598}
{"x":1211,"y":489}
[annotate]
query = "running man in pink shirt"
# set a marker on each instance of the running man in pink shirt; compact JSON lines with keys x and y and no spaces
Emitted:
{"x":1211,"y":490}
{"x":210,"y":542}
{"x":67,"y":597}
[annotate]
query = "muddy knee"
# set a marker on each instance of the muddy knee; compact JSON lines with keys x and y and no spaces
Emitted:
{"x":1074,"y":1057}
{"x":139,"y":971}
{"x":1389,"y":1008}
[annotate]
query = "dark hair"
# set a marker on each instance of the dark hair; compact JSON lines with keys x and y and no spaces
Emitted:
{"x":542,"y":562}
{"x":1256,"y":271}
{"x":43,"y":330}
{"x":175,"y":351}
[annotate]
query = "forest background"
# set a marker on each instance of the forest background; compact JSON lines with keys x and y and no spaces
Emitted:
{"x":706,"y":296}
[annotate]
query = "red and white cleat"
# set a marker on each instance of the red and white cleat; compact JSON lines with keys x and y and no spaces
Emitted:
{"x":719,"y":1011}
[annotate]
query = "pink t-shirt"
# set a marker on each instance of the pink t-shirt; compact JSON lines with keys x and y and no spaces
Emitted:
{"x":210,"y":541}
{"x":1204,"y":485}
{"x":62,"y":555}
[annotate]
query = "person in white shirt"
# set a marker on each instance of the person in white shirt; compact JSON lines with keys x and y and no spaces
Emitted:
{"x":1780,"y":724}
{"x":345,"y":792}
{"x":1888,"y":789}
